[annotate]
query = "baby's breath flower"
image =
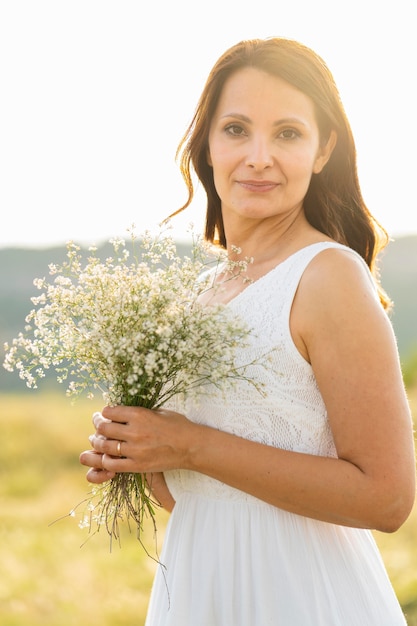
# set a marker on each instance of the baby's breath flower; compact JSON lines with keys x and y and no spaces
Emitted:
{"x":135,"y":332}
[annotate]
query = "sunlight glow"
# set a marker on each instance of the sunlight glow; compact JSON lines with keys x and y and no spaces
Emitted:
{"x":97,"y":97}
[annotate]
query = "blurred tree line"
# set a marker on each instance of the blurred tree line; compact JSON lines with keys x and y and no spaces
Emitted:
{"x":19,"y":267}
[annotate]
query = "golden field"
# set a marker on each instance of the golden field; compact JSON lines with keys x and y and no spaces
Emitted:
{"x":47,"y":577}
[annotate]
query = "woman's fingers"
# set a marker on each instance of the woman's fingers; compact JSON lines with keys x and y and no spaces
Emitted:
{"x":99,"y":476}
{"x":98,"y":472}
{"x":98,"y":419}
{"x":114,"y":429}
{"x":112,"y":447}
{"x":91,"y":458}
{"x":122,"y":413}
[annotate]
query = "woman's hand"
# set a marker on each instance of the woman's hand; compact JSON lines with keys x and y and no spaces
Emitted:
{"x":134,"y":439}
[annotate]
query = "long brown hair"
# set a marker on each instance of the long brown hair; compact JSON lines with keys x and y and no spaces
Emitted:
{"x":333,"y":203}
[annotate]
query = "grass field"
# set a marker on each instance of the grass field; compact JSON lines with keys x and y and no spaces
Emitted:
{"x":46,"y":577}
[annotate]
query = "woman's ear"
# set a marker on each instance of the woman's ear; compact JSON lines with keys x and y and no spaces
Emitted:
{"x":325,"y":152}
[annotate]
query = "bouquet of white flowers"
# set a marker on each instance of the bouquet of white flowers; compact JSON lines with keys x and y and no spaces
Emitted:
{"x":133,"y":329}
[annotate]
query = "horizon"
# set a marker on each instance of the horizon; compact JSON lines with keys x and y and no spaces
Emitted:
{"x":53,"y":245}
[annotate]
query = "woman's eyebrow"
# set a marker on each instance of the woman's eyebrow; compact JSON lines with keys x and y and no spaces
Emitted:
{"x":284,"y":120}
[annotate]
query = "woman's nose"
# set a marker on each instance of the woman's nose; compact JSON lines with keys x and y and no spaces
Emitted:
{"x":259,"y":154}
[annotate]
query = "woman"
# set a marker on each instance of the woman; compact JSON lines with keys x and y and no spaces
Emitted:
{"x":272,"y":496}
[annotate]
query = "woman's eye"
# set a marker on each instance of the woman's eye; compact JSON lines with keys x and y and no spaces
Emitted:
{"x":235,"y":130}
{"x":289,"y":133}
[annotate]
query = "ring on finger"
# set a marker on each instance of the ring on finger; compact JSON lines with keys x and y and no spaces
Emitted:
{"x":119,"y":448}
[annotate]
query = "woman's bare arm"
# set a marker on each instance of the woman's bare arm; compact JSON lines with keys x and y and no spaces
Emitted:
{"x":160,"y":491}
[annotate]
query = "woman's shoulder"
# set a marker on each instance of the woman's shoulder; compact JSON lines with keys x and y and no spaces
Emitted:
{"x":327,"y":260}
{"x":314,"y":248}
{"x":336,"y":296}
{"x":337,"y":278}
{"x":332,"y":259}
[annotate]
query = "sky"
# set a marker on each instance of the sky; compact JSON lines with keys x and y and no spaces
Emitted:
{"x":96,"y":95}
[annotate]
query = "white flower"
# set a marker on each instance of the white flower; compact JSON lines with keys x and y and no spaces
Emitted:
{"x":133,"y":330}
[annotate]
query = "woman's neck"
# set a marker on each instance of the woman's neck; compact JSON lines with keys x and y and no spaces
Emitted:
{"x":270,"y":241}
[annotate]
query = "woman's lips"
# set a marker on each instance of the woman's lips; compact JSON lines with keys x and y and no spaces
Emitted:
{"x":258,"y":186}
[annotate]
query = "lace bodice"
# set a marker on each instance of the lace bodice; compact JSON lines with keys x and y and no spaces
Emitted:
{"x":290,"y":414}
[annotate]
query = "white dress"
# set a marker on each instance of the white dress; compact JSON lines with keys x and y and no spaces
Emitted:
{"x":232,"y":560}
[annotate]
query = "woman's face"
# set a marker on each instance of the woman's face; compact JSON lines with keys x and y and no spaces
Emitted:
{"x":264,"y":146}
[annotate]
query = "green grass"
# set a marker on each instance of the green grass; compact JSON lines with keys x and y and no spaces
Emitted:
{"x":47,"y":578}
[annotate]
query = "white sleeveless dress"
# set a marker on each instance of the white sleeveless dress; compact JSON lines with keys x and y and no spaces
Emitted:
{"x":232,"y":560}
